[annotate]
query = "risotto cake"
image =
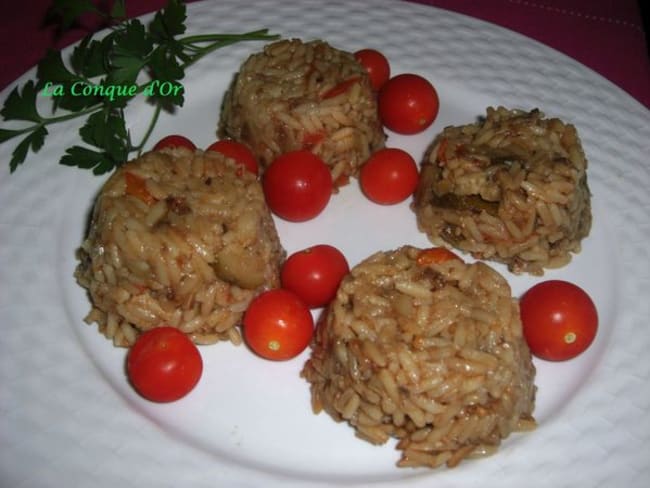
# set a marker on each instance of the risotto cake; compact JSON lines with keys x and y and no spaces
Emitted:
{"x":428,"y":351}
{"x":304,"y":95}
{"x":180,"y":238}
{"x":510,"y":188}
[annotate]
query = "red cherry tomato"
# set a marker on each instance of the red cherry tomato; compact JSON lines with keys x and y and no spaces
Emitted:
{"x":164,"y":364}
{"x":314,"y":274}
{"x":376,"y":65}
{"x":559,"y":320}
{"x":297,"y":185}
{"x":278,"y":325}
{"x":389,"y":176}
{"x":174,"y":140}
{"x":237,"y":151}
{"x":408,"y":104}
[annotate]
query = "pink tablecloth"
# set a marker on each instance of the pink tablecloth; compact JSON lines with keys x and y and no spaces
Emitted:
{"x":605,"y":35}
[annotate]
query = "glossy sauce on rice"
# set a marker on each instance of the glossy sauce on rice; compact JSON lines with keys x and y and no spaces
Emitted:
{"x":178,"y":238}
{"x":431,"y":354}
{"x":511,"y":187}
{"x":304,"y":95}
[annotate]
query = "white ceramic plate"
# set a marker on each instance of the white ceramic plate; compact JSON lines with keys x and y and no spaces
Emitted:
{"x":68,"y":417}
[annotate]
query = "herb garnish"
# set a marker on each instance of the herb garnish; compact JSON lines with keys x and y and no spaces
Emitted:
{"x":129,"y":51}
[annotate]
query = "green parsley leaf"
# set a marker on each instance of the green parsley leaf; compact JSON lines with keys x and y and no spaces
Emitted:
{"x":132,"y":46}
{"x":34,"y":140}
{"x":78,"y":102}
{"x":22,"y":105}
{"x":165,"y":66}
{"x":106,"y":130}
{"x":168,"y":22}
{"x":133,"y":40}
{"x":125,"y":70}
{"x":51,"y":68}
{"x":84,"y":158}
{"x":88,"y":58}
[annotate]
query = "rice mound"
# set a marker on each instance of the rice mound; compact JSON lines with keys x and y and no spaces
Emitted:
{"x":304,"y":95}
{"x":510,"y":188}
{"x":430,"y":354}
{"x":178,"y":238}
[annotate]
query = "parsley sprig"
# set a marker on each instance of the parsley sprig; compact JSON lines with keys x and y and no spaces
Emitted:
{"x":86,"y":86}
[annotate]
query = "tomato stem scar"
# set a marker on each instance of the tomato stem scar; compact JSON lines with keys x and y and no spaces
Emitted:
{"x":570,"y":337}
